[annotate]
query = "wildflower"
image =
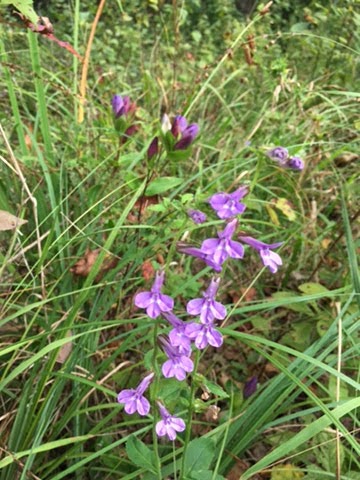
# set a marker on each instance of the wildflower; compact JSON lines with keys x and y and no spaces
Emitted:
{"x":204,"y":334}
{"x":186,"y":132}
{"x":154,"y":301}
{"x":250,"y":387}
{"x":207,"y":307}
{"x":178,"y":363}
{"x":177,"y":335}
{"x":153,"y":148}
{"x":133,"y":398}
{"x":296,"y":163}
{"x":227,"y":205}
{"x":279,"y":154}
{"x":198,"y":253}
{"x":165,"y":123}
{"x":219,"y":249}
{"x":120,"y":105}
{"x":197,"y":216}
{"x":169,"y":424}
{"x":270,"y":259}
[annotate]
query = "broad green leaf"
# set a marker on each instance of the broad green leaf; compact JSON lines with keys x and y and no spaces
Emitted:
{"x":140,"y":454}
{"x":162,"y":184}
{"x":214,"y":388}
{"x":286,"y":472}
{"x":199,"y":455}
{"x":205,"y":475}
{"x":25,"y":7}
{"x":312,"y":288}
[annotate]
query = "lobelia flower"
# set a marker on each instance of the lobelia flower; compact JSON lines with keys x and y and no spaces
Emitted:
{"x":204,"y":334}
{"x":207,"y":307}
{"x":169,"y":424}
{"x":227,"y":205}
{"x":186,"y":132}
{"x":296,"y":163}
{"x":134,"y":399}
{"x":178,"y":363}
{"x":270,"y":259}
{"x":219,"y":249}
{"x":198,"y":253}
{"x":197,"y":216}
{"x":177,"y":335}
{"x":250,"y":387}
{"x":154,"y":301}
{"x":121,"y":105}
{"x":279,"y":154}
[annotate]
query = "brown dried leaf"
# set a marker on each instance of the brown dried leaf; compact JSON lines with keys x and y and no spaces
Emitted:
{"x":148,"y":270}
{"x":83,"y":266}
{"x":8,"y":221}
{"x":65,"y":350}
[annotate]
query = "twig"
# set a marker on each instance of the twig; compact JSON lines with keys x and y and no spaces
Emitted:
{"x":34,"y":204}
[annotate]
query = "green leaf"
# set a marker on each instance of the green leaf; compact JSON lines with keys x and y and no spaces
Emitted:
{"x":205,"y":475}
{"x":312,"y":288}
{"x":214,"y":388}
{"x":162,"y":184}
{"x":199,"y":455}
{"x":140,"y":454}
{"x":25,"y":7}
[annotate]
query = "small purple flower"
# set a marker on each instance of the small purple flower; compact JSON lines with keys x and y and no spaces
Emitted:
{"x":227,"y":205}
{"x":169,"y":424}
{"x":178,"y":363}
{"x":154,"y":301}
{"x":187,"y":133}
{"x":219,"y":249}
{"x":197,"y":216}
{"x":133,"y":398}
{"x":207,"y":307}
{"x":120,"y":105}
{"x":250,"y":387}
{"x":177,"y":335}
{"x":153,"y":148}
{"x":198,"y":253}
{"x":178,"y":126}
{"x":279,"y":154}
{"x":204,"y":334}
{"x":270,"y":259}
{"x":296,"y":163}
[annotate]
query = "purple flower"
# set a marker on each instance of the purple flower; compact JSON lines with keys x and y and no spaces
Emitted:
{"x":296,"y":163}
{"x":219,"y":249}
{"x":154,"y":301}
{"x":279,"y":154}
{"x":204,"y":334}
{"x":186,"y":132}
{"x":177,"y":335}
{"x":133,"y":398}
{"x":198,"y":253}
{"x":197,"y":216}
{"x":178,"y":363}
{"x":120,"y":105}
{"x":207,"y":307}
{"x":270,"y":259}
{"x":153,"y":148}
{"x":250,"y":387}
{"x":227,"y":205}
{"x":169,"y":424}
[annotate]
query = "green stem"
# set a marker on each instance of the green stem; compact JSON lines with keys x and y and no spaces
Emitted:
{"x":155,"y":395}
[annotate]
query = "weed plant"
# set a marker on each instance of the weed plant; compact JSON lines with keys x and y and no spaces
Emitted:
{"x":106,"y":208}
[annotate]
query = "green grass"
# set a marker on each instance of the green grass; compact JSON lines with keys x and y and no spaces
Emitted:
{"x":79,"y":189}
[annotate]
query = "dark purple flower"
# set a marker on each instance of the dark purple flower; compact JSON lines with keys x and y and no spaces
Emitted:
{"x":279,"y":154}
{"x":198,"y":253}
{"x":204,"y":334}
{"x":133,"y":398}
{"x":296,"y":163}
{"x":169,"y":424}
{"x":177,"y":335}
{"x":270,"y":259}
{"x":197,"y":216}
{"x":250,"y":387}
{"x":178,"y":126}
{"x":154,"y":301}
{"x":153,"y":148}
{"x":227,"y":205}
{"x":120,"y":105}
{"x":187,"y":133}
{"x":207,"y":307}
{"x":178,"y":363}
{"x":219,"y":249}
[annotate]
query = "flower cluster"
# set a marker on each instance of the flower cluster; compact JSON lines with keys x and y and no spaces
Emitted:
{"x":281,"y":155}
{"x":177,"y":344}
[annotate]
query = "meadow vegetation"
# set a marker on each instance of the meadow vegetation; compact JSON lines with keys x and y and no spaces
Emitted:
{"x":104,"y":215}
